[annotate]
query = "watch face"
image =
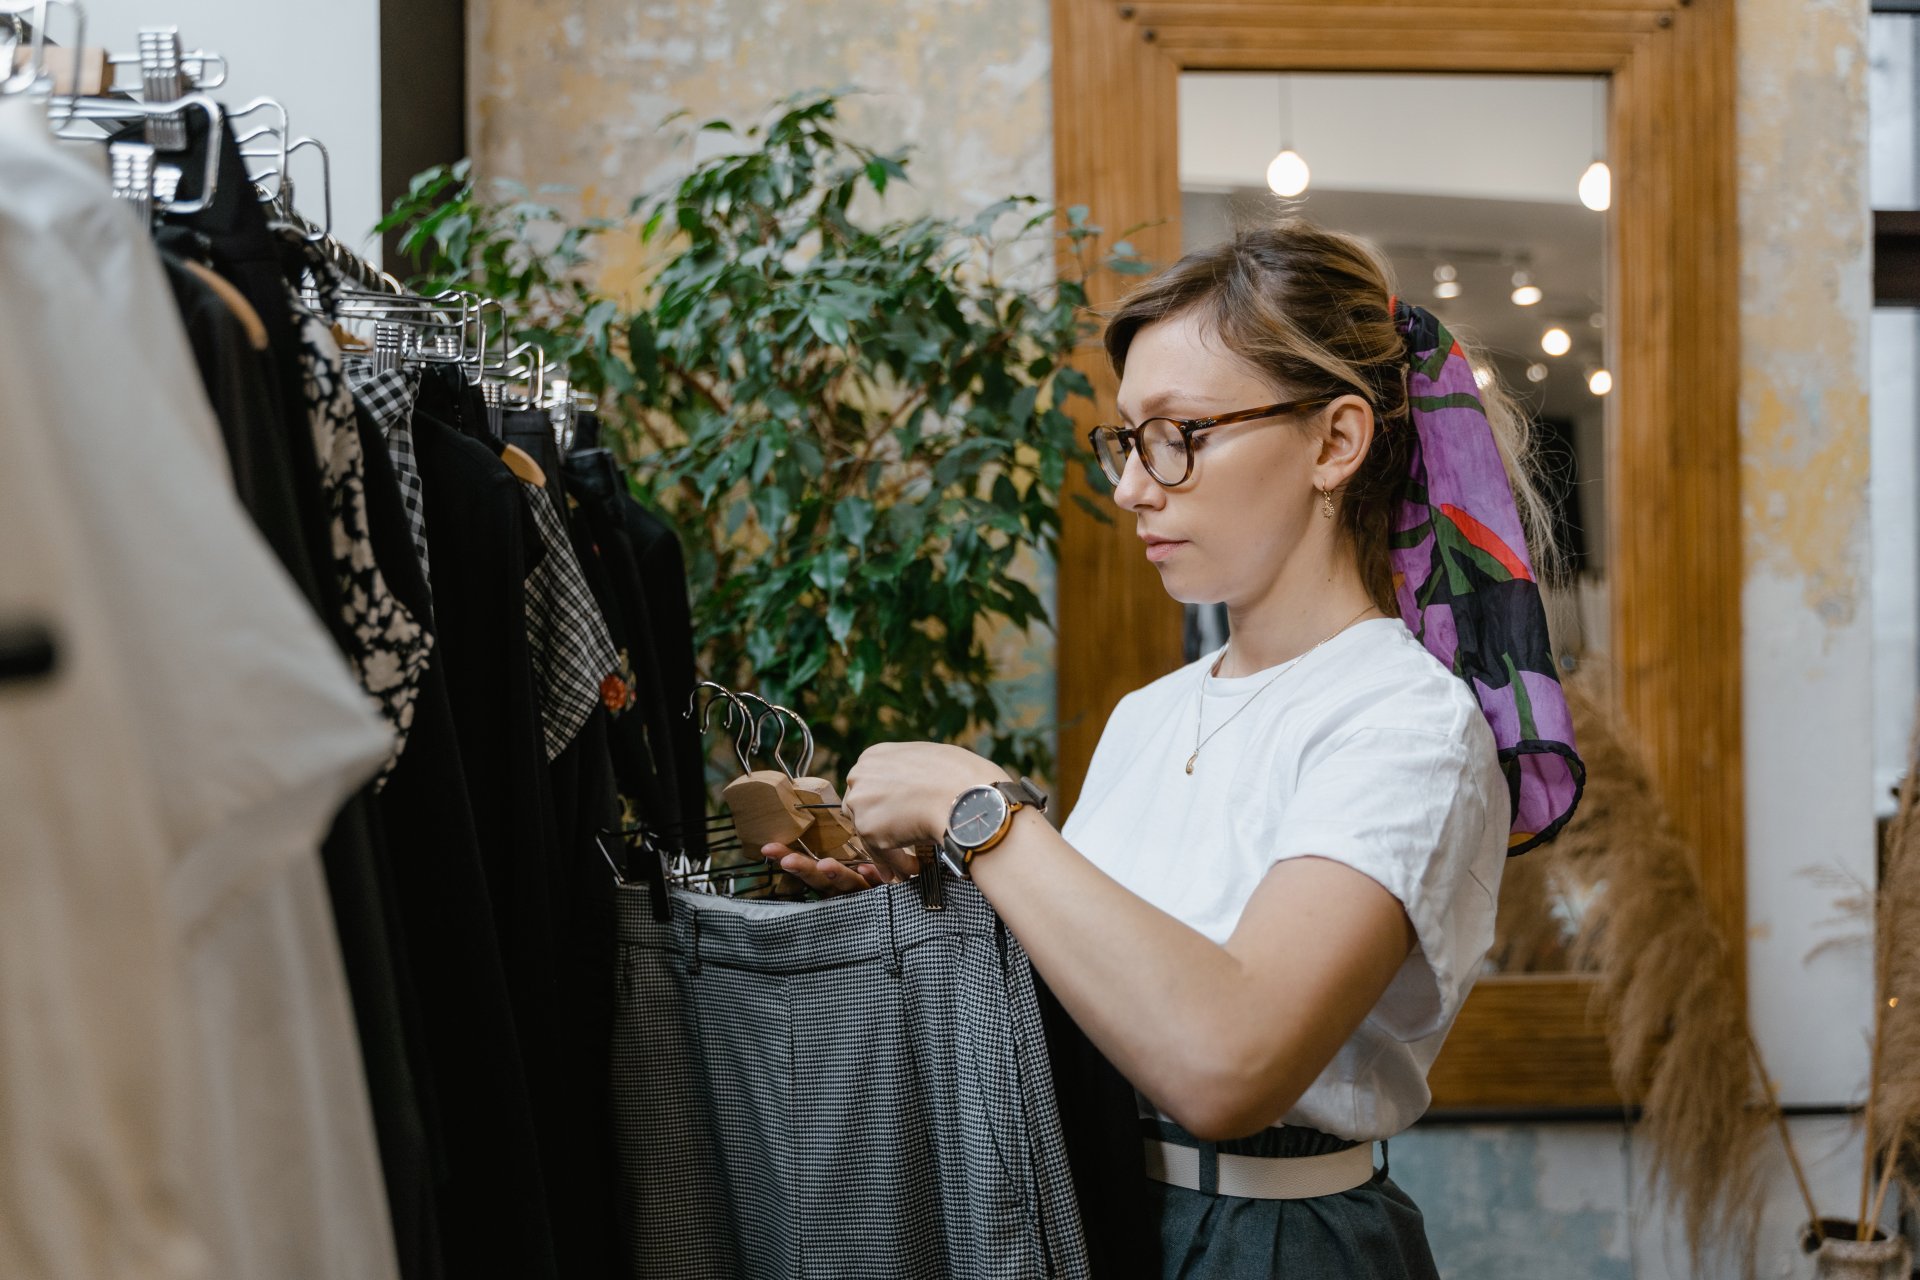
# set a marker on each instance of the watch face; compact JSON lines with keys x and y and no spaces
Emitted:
{"x":977,"y":815}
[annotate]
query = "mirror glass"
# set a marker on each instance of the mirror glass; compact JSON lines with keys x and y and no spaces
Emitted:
{"x":1481,"y":192}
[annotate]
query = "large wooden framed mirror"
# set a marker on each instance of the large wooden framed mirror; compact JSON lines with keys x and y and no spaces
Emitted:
{"x":1667,"y":442}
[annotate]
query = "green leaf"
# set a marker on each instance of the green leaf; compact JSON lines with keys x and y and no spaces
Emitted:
{"x":829,"y":569}
{"x":829,"y":326}
{"x":643,"y":350}
{"x":1020,"y":409}
{"x":840,"y":622}
{"x":853,"y":520}
{"x":1074,"y":383}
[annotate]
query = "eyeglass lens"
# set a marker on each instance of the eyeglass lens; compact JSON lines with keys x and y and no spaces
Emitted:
{"x":1162,"y":449}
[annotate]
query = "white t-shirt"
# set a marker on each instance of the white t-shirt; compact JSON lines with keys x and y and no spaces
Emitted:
{"x":1368,"y":753}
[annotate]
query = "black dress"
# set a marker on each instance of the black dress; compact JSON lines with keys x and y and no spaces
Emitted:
{"x":493,"y":1195}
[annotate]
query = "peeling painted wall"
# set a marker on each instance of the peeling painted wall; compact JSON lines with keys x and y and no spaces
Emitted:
{"x":572,"y":94}
{"x":1805,"y":306}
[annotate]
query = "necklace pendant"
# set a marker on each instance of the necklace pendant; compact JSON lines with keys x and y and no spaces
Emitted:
{"x":1190,"y":760}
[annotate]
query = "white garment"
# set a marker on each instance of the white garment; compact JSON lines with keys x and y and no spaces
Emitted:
{"x":1368,"y":753}
{"x":98,"y":1101}
{"x":239,"y":731}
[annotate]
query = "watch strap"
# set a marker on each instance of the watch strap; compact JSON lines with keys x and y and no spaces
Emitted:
{"x":1023,"y":793}
{"x":954,"y":858}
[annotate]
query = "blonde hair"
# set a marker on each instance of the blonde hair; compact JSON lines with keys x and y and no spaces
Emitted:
{"x":1309,"y":309}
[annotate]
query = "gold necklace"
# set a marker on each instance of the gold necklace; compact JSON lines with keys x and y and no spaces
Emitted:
{"x":1200,"y":710}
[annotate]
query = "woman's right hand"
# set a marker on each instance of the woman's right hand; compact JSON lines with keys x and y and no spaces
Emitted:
{"x":831,"y":876}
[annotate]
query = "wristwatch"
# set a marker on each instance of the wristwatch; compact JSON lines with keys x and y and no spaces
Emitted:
{"x":980,"y":818}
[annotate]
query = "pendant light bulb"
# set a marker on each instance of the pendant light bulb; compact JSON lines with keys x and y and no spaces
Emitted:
{"x":1600,"y":382}
{"x":1525,"y":291}
{"x":1596,"y":187}
{"x":1536,"y":372}
{"x":1556,"y":341}
{"x":1446,"y":281}
{"x":1288,"y":174}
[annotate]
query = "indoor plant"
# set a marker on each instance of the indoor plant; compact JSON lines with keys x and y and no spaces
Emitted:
{"x":1682,"y":1047}
{"x":858,"y":423}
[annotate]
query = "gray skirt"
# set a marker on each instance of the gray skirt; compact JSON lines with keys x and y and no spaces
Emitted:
{"x":1373,"y":1232}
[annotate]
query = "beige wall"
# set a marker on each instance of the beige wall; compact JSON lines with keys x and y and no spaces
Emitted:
{"x":574,"y":93}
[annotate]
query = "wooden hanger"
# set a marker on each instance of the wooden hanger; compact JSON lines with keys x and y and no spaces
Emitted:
{"x":830,"y":831}
{"x":234,"y":301}
{"x":767,"y":810}
{"x":82,"y":72}
{"x":521,"y":463}
{"x":349,"y":340}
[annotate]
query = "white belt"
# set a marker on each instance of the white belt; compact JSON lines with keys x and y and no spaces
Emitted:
{"x":1264,"y":1177}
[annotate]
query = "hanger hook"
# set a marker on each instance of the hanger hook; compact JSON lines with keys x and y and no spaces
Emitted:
{"x":806,"y":741}
{"x":706,"y":713}
{"x":733,"y":705}
{"x":754,"y":744}
{"x":780,"y":743}
{"x":325,"y":228}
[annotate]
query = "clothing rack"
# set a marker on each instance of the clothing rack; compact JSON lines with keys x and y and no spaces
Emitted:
{"x":83,"y":89}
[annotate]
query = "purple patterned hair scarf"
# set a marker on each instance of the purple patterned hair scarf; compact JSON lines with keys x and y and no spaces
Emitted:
{"x":1465,"y":583}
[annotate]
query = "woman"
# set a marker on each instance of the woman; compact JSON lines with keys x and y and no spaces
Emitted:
{"x":1280,"y":879}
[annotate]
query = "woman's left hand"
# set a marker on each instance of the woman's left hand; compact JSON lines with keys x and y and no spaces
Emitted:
{"x":899,"y":793}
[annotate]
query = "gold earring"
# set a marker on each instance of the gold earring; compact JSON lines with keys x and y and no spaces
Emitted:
{"x":1327,"y":509}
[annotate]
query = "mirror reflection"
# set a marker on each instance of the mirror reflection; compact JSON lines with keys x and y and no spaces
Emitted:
{"x":1506,"y":242}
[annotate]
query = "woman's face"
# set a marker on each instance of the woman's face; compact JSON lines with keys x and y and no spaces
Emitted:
{"x":1226,"y":534}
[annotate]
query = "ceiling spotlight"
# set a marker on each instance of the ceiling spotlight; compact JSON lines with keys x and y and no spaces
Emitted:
{"x":1598,"y":320}
{"x":1596,"y":187}
{"x":1482,"y":377}
{"x":1445,"y":272}
{"x":1600,"y":382}
{"x":1536,"y":372}
{"x":1525,"y":291}
{"x":1288,"y":175}
{"x":1556,"y":341}
{"x":1447,"y":289}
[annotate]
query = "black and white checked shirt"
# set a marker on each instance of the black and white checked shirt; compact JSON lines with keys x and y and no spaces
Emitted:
{"x":389,"y":398}
{"x":571,"y":648}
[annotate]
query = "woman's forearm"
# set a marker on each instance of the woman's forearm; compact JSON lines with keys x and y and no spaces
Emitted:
{"x":1224,"y":1038}
{"x":1172,"y":1009}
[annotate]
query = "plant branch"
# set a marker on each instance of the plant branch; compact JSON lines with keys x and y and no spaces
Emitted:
{"x":1786,"y":1135}
{"x":706,"y":388}
{"x":1880,"y":1196}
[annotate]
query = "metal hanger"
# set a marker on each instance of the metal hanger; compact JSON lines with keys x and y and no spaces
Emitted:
{"x":282,"y":196}
{"x":139,"y":161}
{"x":28,"y":29}
{"x":248,"y":142}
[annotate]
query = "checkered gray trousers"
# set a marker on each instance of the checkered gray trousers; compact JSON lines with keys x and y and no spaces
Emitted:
{"x":842,"y":1089}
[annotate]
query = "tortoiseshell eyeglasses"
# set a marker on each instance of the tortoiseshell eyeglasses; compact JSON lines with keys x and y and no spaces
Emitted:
{"x":1166,"y":444}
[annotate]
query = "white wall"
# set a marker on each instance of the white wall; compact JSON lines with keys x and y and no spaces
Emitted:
{"x":321,"y":60}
